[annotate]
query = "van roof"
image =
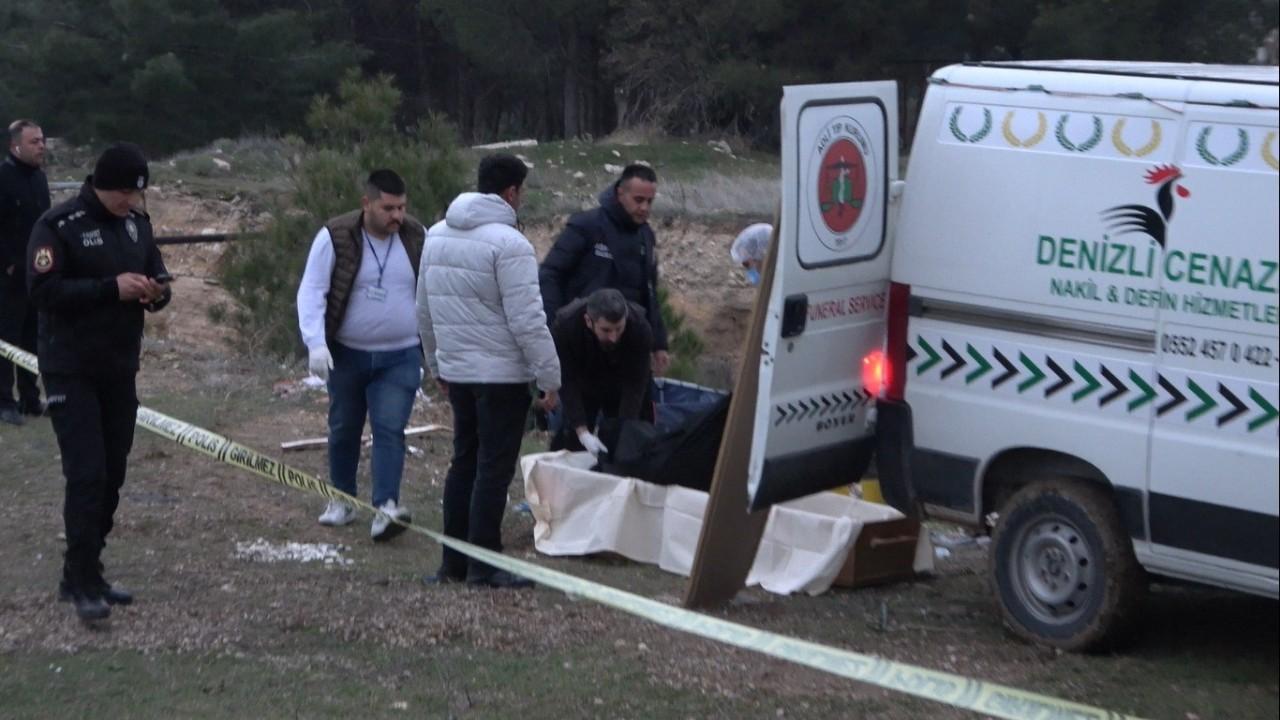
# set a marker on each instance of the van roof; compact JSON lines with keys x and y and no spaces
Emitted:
{"x":1259,"y":74}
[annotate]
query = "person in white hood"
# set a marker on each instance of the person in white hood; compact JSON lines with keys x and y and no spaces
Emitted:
{"x":750,"y":248}
{"x":484,"y":337}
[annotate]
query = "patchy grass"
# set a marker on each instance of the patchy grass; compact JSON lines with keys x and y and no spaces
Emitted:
{"x":256,"y":167}
{"x":366,"y":681}
{"x":696,"y":179}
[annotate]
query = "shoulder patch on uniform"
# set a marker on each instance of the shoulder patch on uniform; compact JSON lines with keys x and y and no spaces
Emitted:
{"x":43,"y":260}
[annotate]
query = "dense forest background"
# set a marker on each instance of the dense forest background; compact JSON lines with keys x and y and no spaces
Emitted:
{"x":173,"y":74}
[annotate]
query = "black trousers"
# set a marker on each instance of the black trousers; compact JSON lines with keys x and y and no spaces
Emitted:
{"x":488,"y":426}
{"x":93,"y":417}
{"x":17,"y":327}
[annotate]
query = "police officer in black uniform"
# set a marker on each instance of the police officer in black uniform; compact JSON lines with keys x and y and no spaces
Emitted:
{"x":92,"y":269}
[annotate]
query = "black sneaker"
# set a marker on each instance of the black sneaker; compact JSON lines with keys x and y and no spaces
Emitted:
{"x":115,"y":595}
{"x":89,"y":606}
{"x":440,"y":577}
{"x":500,"y":579}
{"x":11,"y":416}
{"x":112,"y":595}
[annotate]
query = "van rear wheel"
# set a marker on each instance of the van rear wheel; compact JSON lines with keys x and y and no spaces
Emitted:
{"x":1063,"y":568}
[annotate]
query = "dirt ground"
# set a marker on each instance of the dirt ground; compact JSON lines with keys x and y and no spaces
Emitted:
{"x":215,"y":634}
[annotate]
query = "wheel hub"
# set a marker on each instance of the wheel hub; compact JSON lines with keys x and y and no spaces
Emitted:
{"x":1055,"y":570}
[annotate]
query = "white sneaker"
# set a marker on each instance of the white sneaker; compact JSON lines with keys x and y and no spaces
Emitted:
{"x":337,"y":513}
{"x":383,"y":529}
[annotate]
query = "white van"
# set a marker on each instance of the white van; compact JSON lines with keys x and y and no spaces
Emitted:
{"x":1067,"y":317}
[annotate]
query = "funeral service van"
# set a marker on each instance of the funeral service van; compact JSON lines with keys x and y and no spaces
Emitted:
{"x":1060,"y":326}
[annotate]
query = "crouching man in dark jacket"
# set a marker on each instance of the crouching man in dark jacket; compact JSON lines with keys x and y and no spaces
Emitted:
{"x":92,"y":269}
{"x":604,"y":344}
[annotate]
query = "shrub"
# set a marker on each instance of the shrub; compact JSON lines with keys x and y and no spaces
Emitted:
{"x":682,"y":342}
{"x":351,"y":136}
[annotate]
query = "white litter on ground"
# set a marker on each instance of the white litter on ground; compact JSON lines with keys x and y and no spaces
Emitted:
{"x":262,"y":551}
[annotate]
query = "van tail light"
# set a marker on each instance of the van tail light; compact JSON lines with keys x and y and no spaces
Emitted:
{"x":875,"y":373}
{"x":891,"y":380}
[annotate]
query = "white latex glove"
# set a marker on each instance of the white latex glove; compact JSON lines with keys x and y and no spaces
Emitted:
{"x":320,"y":362}
{"x":591,"y":443}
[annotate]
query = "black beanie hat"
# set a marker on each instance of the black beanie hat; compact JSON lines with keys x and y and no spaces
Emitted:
{"x":121,"y":167}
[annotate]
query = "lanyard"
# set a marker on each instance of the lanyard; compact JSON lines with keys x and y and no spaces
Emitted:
{"x":382,"y":264}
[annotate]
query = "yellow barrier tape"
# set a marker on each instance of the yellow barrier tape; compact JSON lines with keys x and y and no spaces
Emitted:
{"x":947,"y":688}
{"x":20,"y":357}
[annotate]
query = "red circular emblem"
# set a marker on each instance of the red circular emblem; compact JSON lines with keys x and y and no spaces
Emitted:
{"x":842,"y":185}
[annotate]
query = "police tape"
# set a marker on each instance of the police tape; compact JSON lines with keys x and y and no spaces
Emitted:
{"x":955,"y":690}
{"x":19,"y":357}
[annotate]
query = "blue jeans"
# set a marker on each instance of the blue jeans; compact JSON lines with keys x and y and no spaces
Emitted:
{"x":381,"y":385}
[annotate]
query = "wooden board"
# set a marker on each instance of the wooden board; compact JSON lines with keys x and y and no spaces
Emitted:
{"x":730,"y":535}
{"x":307,"y":443}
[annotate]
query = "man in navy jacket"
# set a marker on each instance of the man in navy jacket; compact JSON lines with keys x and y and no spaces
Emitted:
{"x":611,"y":246}
{"x":24,"y":195}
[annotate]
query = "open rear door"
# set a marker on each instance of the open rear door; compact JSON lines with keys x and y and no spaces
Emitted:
{"x":827,"y":302}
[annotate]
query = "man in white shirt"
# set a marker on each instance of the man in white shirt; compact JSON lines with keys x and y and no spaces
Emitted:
{"x":356,"y":313}
{"x":485,"y":338}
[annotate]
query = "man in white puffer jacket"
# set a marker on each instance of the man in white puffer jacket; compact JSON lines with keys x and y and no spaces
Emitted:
{"x":485,"y":337}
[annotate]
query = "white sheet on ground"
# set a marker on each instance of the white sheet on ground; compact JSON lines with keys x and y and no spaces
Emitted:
{"x":577,"y":511}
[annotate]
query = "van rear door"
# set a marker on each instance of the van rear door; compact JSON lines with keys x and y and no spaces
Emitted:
{"x":826,"y":312}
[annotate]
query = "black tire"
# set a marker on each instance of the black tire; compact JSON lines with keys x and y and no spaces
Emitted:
{"x":1062,"y":566}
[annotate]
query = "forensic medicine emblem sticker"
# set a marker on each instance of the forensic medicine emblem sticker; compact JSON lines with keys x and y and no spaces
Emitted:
{"x":842,"y":197}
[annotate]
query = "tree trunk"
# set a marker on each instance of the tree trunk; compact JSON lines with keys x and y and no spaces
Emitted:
{"x":572,"y":128}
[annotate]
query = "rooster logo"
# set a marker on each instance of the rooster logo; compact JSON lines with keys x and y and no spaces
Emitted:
{"x":1149,"y":221}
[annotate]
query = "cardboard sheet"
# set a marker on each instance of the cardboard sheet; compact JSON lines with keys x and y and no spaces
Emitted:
{"x":730,"y":534}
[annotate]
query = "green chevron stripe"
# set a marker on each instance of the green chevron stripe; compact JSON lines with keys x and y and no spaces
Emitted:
{"x":983,"y":366}
{"x":1269,"y":411}
{"x":1092,"y":383}
{"x":1144,"y":393}
{"x":1036,"y":373}
{"x":1148,"y":392}
{"x":934,"y":357}
{"x":1207,"y":402}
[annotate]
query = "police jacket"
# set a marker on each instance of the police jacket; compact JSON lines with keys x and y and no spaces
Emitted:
{"x":604,"y":248}
{"x":24,"y":195}
{"x":587,"y":370}
{"x":76,"y":251}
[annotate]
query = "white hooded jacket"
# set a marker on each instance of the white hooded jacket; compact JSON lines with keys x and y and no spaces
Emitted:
{"x":479,"y":308}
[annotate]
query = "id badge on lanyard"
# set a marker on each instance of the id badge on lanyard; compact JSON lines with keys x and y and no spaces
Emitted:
{"x":377,"y":293}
